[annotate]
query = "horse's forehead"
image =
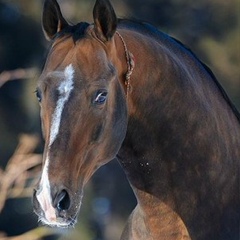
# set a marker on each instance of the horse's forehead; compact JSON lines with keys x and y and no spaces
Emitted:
{"x":86,"y":56}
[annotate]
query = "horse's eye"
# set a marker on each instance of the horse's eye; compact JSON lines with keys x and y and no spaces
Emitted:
{"x":100,"y":97}
{"x":38,"y":95}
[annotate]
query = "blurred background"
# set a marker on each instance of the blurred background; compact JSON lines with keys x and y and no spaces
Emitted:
{"x":209,"y":27}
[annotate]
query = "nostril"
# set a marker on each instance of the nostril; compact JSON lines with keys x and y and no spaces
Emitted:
{"x":62,"y":201}
{"x":34,"y":200}
{"x":34,"y":193}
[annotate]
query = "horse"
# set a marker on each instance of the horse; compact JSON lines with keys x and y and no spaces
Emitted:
{"x":122,"y":89}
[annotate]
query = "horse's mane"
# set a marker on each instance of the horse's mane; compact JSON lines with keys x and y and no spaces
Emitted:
{"x":75,"y":31}
{"x":209,"y":71}
{"x":151,"y":30}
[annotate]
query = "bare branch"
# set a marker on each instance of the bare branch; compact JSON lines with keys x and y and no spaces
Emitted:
{"x":35,"y":234}
{"x":17,"y":175}
{"x":19,"y":73}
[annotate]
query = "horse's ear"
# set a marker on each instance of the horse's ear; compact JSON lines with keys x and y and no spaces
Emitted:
{"x":52,"y":19}
{"x":105,"y":20}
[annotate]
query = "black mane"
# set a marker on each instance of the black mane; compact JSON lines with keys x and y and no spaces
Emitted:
{"x":209,"y":71}
{"x":75,"y":31}
{"x":143,"y":26}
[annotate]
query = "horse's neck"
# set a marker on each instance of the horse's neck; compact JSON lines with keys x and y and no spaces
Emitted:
{"x":175,"y":108}
{"x":179,"y":126}
{"x":173,"y":100}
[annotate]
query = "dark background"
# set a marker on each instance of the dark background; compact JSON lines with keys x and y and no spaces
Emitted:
{"x":209,"y":27}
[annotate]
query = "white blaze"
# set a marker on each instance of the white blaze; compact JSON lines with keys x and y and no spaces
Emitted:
{"x":64,"y":89}
{"x":44,"y":197}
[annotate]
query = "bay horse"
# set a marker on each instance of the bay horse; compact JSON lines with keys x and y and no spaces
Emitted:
{"x":122,"y":89}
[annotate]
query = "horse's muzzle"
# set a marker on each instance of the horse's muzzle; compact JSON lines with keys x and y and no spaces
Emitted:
{"x":55,"y":209}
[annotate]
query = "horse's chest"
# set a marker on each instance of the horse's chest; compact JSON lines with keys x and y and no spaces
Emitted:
{"x":165,"y":225}
{"x":152,"y":219}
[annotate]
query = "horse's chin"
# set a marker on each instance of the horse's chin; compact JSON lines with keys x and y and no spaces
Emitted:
{"x":59,"y":223}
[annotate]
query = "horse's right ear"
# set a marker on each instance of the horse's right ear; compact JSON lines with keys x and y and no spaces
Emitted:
{"x":52,"y":19}
{"x":105,"y":20}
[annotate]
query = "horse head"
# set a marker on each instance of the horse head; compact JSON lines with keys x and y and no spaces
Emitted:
{"x":83,"y":108}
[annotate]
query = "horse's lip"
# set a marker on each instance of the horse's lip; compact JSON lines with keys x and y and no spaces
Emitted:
{"x":60,"y":222}
{"x":70,"y":223}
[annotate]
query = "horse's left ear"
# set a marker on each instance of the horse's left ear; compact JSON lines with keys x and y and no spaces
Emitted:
{"x":52,"y":19}
{"x":105,"y":20}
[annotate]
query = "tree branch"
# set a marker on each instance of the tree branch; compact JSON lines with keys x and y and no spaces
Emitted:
{"x":19,"y":73}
